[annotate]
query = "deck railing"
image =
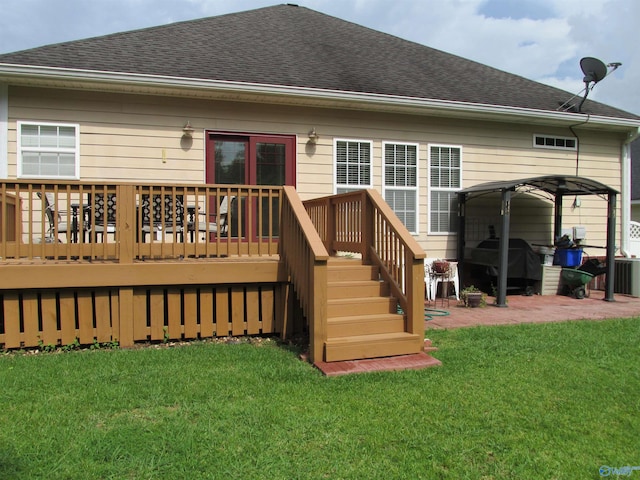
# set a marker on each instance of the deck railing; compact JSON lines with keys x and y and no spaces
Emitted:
{"x":104,"y":262}
{"x":305,"y":259}
{"x":78,"y":260}
{"x":82,"y":221}
{"x":362,"y":223}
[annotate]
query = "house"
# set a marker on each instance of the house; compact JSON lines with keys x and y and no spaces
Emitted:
{"x":270,"y":108}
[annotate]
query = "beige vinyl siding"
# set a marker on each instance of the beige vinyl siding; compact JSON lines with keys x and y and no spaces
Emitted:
{"x":134,"y":137}
{"x":531,"y":216}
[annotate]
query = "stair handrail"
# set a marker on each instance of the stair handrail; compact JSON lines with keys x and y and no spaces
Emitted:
{"x":305,"y":258}
{"x":361,"y":222}
{"x":400,"y":257}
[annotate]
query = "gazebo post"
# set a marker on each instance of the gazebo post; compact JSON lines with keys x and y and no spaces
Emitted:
{"x":557,"y":224}
{"x":462,"y":201}
{"x":611,"y":246}
{"x":503,"y":249}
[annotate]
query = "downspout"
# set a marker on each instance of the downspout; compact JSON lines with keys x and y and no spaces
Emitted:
{"x":626,"y":191}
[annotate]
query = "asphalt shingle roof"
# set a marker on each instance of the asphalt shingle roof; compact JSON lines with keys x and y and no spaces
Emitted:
{"x":295,"y":46}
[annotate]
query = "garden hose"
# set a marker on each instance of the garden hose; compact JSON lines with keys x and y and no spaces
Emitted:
{"x":429,"y":313}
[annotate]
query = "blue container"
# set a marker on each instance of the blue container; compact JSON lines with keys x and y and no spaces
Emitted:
{"x":568,"y":257}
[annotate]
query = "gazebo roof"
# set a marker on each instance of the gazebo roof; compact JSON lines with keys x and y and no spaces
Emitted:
{"x":551,"y":184}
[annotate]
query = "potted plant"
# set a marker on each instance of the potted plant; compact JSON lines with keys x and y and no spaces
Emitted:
{"x":472,"y":297}
{"x":440,"y":266}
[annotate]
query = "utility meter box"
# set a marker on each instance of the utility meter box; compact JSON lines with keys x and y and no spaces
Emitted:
{"x":579,"y":233}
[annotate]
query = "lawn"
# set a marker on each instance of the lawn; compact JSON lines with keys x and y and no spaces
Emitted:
{"x":547,"y":401}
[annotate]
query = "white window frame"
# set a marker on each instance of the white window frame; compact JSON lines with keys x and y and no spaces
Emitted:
{"x":75,"y":150}
{"x":441,"y":189}
{"x":351,"y":187}
{"x":414,"y":189}
{"x":554,"y":147}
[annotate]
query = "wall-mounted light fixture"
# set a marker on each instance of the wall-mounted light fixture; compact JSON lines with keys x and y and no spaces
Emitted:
{"x":187,"y":130}
{"x":313,"y":136}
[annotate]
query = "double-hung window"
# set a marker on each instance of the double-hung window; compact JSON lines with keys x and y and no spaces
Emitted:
{"x":353,"y":165}
{"x":445,"y":179}
{"x":401,"y":181}
{"x":48,"y":150}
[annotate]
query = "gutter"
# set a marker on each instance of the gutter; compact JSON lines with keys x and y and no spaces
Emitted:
{"x":64,"y":76}
{"x":626,"y":191}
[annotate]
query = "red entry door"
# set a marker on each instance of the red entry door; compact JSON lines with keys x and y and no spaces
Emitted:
{"x":251,"y":160}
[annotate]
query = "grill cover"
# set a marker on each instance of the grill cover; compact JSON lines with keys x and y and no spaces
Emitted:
{"x":523,"y":263}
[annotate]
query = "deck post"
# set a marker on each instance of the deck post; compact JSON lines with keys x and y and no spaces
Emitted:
{"x":282,"y":314}
{"x":125,"y":316}
{"x":368,"y":224}
{"x":415,"y":293}
{"x":331,"y":227}
{"x":318,"y":324}
{"x":126,"y":219}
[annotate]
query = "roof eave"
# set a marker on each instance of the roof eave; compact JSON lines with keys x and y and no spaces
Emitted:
{"x":56,"y":77}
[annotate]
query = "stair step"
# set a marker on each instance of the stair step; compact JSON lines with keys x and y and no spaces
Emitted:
{"x":345,"y":307}
{"x":372,"y":346}
{"x":357,"y":288}
{"x":365,"y":325}
{"x":414,"y":361}
{"x":337,"y":272}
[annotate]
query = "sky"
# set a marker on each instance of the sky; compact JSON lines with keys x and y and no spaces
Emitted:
{"x":542,"y":40}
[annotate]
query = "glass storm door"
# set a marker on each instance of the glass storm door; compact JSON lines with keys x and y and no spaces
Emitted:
{"x":252,"y":160}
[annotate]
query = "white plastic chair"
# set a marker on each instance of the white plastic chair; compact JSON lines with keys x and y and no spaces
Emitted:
{"x":451,"y":276}
{"x":222,"y":218}
{"x":429,"y":277}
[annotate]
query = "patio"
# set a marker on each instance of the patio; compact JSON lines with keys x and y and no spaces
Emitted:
{"x":534,"y":309}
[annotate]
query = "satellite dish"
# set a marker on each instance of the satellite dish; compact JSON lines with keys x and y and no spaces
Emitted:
{"x":594,"y":70}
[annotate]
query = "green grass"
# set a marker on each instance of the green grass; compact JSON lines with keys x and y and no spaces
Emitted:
{"x":524,"y":402}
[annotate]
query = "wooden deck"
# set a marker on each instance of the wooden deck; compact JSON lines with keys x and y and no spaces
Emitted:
{"x":262,"y":267}
{"x":150,"y":301}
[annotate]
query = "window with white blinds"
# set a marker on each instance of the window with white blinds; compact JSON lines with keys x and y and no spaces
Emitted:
{"x":445,"y":179}
{"x":48,"y":150}
{"x":353,"y":165}
{"x":401,"y":181}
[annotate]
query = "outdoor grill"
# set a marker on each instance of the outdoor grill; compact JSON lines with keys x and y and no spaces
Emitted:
{"x":523,"y":265}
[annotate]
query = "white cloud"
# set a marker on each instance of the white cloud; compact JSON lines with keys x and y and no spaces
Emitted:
{"x":547,"y":50}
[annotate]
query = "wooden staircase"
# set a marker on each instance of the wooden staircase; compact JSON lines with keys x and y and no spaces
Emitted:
{"x":362,"y":318}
